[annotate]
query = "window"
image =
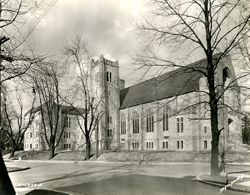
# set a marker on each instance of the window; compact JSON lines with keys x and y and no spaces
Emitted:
{"x":66,"y":146}
{"x":165,"y":119}
{"x":150,"y":121}
{"x":30,"y":146}
{"x":135,"y":121}
{"x":66,"y":135}
{"x":30,"y":134}
{"x":180,"y":144}
{"x":150,"y":145}
{"x":135,"y":145}
{"x":165,"y":145}
{"x":109,"y":76}
{"x":67,"y":121}
{"x":179,"y":122}
{"x":205,"y":129}
{"x":109,"y":132}
{"x":205,"y":145}
{"x":37,"y":133}
{"x":110,"y":119}
{"x":123,"y":125}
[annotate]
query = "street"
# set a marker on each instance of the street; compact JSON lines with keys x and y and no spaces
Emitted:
{"x":112,"y":178}
{"x":138,"y":184}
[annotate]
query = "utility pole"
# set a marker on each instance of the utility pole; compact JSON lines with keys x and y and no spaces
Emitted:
{"x":6,"y":186}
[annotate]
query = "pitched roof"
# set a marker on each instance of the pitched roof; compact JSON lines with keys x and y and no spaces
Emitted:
{"x":177,"y":82}
{"x":65,"y":109}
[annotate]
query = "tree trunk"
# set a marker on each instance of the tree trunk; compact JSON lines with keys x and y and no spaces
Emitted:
{"x":97,"y":143}
{"x":214,"y":166}
{"x":52,"y":147}
{"x":12,"y":153}
{"x":51,"y":151}
{"x":215,"y":155}
{"x":88,"y":148}
{"x":6,"y":186}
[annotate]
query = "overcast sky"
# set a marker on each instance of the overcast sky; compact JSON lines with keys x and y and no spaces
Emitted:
{"x":106,"y":24}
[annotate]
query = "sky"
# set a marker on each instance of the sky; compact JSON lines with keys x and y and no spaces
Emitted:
{"x":107,"y":25}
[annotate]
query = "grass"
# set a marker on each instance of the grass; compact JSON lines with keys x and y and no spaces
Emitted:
{"x":136,"y":156}
{"x":44,"y":155}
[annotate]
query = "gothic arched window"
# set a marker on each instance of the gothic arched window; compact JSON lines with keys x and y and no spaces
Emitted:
{"x":123,"y":124}
{"x":150,"y":121}
{"x":165,"y":119}
{"x":135,"y":121}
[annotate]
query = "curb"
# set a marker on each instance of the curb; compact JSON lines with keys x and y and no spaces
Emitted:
{"x":235,"y":188}
{"x":125,"y":162}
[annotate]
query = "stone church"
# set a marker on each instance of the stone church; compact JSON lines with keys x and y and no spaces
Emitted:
{"x":167,"y":112}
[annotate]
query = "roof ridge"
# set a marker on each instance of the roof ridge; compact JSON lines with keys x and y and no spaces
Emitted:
{"x":169,"y":72}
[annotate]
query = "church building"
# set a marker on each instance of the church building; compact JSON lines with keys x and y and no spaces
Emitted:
{"x":167,"y":112}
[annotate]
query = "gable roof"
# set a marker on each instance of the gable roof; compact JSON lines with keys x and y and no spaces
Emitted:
{"x":65,"y":109}
{"x":177,"y":82}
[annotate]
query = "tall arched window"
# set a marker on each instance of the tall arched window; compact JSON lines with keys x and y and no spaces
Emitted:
{"x":165,"y":119}
{"x":123,"y":124}
{"x":109,"y":77}
{"x":135,"y":121}
{"x":225,"y":74}
{"x":150,"y":121}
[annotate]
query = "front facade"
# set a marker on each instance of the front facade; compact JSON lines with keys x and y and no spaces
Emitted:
{"x":168,"y":112}
{"x":71,"y":136}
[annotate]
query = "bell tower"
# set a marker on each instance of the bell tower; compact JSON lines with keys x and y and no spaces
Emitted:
{"x":107,"y":83}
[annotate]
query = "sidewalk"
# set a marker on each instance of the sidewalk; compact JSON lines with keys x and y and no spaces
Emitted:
{"x":235,"y":181}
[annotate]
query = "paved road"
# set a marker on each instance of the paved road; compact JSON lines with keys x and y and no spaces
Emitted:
{"x":113,"y":178}
{"x":146,"y":185}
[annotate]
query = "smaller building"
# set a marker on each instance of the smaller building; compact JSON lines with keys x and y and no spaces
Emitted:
{"x":71,"y":137}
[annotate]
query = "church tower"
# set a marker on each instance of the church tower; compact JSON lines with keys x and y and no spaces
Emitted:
{"x":106,"y":81}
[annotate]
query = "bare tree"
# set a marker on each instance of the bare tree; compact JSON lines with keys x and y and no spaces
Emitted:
{"x":210,"y":26}
{"x":16,"y":122}
{"x":90,"y":100}
{"x":9,"y":12}
{"x":46,"y":82}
